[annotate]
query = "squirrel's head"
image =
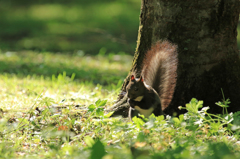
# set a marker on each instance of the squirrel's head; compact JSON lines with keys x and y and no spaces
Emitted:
{"x":135,"y":87}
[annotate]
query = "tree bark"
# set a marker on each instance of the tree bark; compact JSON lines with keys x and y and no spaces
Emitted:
{"x":206,"y":34}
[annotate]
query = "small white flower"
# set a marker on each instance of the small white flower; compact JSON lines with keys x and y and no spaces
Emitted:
{"x":199,"y":122}
{"x":205,"y":108}
{"x":32,"y":118}
{"x":168,"y":117}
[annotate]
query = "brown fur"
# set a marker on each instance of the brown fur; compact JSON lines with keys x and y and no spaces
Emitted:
{"x":160,"y":70}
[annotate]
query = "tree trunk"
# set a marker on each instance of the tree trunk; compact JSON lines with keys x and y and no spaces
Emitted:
{"x":205,"y":32}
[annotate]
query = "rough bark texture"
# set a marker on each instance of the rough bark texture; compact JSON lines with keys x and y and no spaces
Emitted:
{"x":205,"y":32}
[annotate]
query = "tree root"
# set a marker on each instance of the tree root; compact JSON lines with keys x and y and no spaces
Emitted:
{"x":120,"y":108}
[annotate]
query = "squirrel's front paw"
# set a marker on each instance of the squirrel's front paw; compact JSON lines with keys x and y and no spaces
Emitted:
{"x":131,"y":102}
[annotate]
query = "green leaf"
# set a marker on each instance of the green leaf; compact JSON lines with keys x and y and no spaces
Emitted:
{"x":200,"y":104}
{"x":73,"y":121}
{"x":100,"y":111}
{"x":98,"y":150}
{"x":91,"y":108}
{"x":215,"y":127}
{"x":176,"y":121}
{"x":103,"y":102}
{"x":108,"y":114}
{"x":89,"y":141}
{"x":160,"y":118}
{"x":194,"y":105}
{"x":181,"y":118}
{"x":100,"y":103}
{"x":139,"y":122}
{"x":221,"y":150}
{"x":141,"y":137}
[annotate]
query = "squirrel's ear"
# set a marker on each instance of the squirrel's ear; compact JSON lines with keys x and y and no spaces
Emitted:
{"x":132,"y":78}
{"x":141,"y":79}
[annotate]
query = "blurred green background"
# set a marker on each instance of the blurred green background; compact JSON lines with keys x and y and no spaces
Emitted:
{"x":83,"y":26}
{"x":69,"y":26}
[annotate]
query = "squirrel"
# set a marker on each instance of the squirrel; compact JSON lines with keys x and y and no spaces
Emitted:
{"x":143,"y":98}
{"x":152,"y":92}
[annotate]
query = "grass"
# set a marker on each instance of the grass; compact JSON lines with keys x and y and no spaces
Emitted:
{"x":21,"y":94}
{"x":61,"y":115}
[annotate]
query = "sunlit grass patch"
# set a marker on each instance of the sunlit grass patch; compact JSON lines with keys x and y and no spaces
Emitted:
{"x":31,"y":82}
{"x":77,"y":79}
{"x":53,"y":105}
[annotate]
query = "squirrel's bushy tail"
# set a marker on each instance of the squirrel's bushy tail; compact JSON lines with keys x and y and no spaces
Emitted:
{"x":160,"y":70}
